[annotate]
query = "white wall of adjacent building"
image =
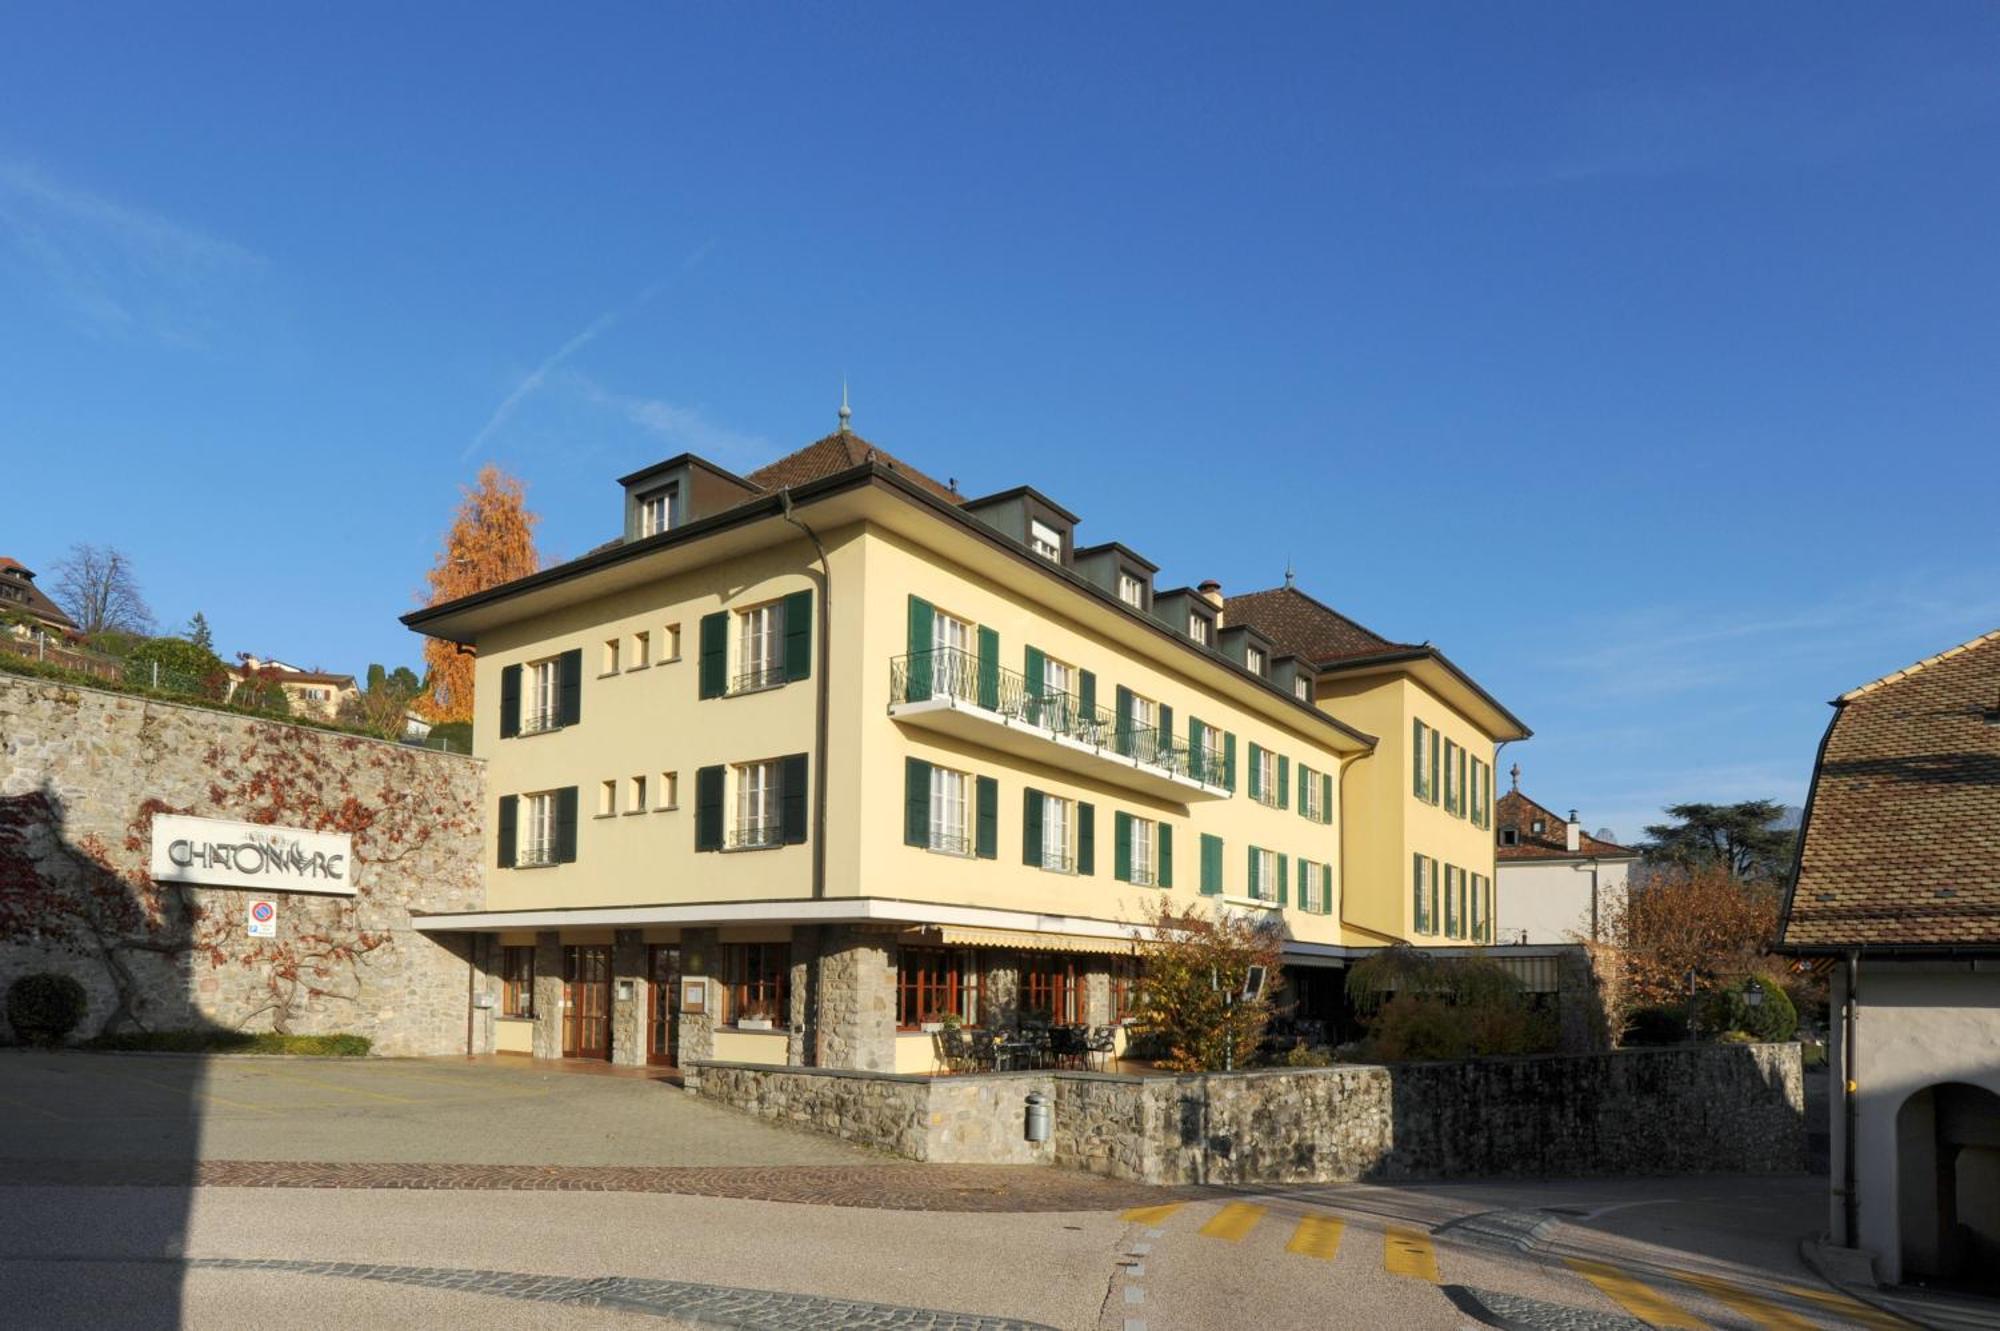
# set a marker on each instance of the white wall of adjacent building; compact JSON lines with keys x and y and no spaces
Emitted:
{"x":1549,"y":901}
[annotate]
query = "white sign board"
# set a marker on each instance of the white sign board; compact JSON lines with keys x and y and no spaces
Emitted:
{"x":261,"y":919}
{"x":215,"y":853}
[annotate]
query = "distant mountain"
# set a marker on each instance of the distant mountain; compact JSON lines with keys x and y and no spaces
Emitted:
{"x":1789,"y":820}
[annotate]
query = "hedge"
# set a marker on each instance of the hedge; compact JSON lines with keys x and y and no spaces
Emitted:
{"x":231,"y":1042}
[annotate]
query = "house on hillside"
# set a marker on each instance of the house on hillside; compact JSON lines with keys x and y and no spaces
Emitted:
{"x":1558,"y":883}
{"x":26,"y":612}
{"x":926,"y":756}
{"x":313,"y":693}
{"x":1897,"y":882}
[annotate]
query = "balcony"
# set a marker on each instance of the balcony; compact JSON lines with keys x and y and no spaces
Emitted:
{"x":952,"y":691}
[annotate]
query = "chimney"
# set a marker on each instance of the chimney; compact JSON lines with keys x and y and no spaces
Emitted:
{"x":1574,"y":832}
{"x":1211,"y":592}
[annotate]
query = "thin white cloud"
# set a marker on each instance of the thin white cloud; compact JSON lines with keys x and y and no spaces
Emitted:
{"x":682,"y":427}
{"x":537,"y":379}
{"x":119,"y":268}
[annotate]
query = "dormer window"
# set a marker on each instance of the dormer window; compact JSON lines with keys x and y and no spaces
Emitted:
{"x":1045,"y":540}
{"x":1540,"y":826}
{"x":1302,"y":688}
{"x":1131,"y":591}
{"x":1198,"y":629}
{"x":1253,"y":657}
{"x":1510,"y":836}
{"x":656,"y":510}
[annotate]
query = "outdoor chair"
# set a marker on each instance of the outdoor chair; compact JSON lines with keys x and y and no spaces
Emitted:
{"x":1101,"y":1045}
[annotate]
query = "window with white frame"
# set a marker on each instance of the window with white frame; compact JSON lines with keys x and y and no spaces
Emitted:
{"x":541,"y":708}
{"x":1312,"y":794}
{"x":756,"y":805}
{"x":1144,"y":830}
{"x":1302,"y":688}
{"x":537,"y":844}
{"x":954,"y":665}
{"x":1142,"y":729}
{"x":1264,"y":883}
{"x":1058,"y":694}
{"x":1131,"y":591}
{"x":1058,"y":831}
{"x":1044,"y":540}
{"x":1453,"y":921}
{"x":1253,"y":658}
{"x":760,"y":646}
{"x":1198,"y":629}
{"x":656,"y":511}
{"x":1312,"y":885}
{"x":1424,"y":883}
{"x":1267,"y":777}
{"x":950,"y":824}
{"x":1213,"y":761}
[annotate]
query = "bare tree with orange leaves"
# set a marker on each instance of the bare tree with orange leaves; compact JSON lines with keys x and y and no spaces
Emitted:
{"x":491,"y":541}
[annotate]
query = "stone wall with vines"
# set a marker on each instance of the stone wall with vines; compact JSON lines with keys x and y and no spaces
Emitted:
{"x":83,"y":772}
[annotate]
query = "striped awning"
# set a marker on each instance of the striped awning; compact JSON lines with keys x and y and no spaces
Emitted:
{"x":948,"y":935}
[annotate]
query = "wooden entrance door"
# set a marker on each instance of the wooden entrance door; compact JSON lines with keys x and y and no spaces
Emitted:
{"x":587,"y":1002}
{"x":663,"y":1030}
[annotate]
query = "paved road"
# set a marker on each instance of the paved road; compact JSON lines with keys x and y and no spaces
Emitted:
{"x":447,"y":1194}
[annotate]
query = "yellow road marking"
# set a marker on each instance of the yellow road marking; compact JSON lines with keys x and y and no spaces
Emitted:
{"x":1638,"y":1299}
{"x":1408,"y":1252}
{"x":1317,"y":1236}
{"x":1151,"y":1215}
{"x":189,"y":1089}
{"x":1853,"y":1310}
{"x":1761,"y":1311}
{"x":1233,"y":1222}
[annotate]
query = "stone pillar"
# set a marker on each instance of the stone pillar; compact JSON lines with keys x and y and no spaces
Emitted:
{"x":483,"y":952}
{"x":1097,"y":993}
{"x":628,"y":997}
{"x":802,"y":1041}
{"x":857,"y":1001}
{"x":700,"y":959}
{"x":548,"y":994}
{"x":1003,"y":989}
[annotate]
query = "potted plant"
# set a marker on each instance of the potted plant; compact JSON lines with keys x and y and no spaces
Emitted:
{"x":755,"y":1016}
{"x":933,"y":1022}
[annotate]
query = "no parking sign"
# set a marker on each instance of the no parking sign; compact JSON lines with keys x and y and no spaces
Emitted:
{"x":263,"y":919}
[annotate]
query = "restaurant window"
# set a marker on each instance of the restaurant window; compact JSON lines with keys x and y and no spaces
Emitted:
{"x":1126,"y":991}
{"x":933,"y":982}
{"x":758,"y":976}
{"x":517,"y":980}
{"x":1051,"y":988}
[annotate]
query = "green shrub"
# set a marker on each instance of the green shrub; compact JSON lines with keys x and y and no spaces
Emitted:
{"x":1656,"y":1026}
{"x":183,"y":667}
{"x":455,"y":736}
{"x":44,"y":1008}
{"x":1728,"y":1009}
{"x":231,"y":1042}
{"x":1303,"y":1055}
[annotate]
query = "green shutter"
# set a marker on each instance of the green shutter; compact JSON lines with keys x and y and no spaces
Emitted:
{"x":510,"y":821}
{"x":1229,"y":760}
{"x":1417,"y":892}
{"x":1284,"y":780}
{"x":1086,"y":695}
{"x":792,"y":785}
{"x":1326,"y":798}
{"x":1197,"y":762}
{"x":1165,"y":738}
{"x":1256,"y":773}
{"x":1434,"y":779}
{"x":1432,"y":877}
{"x":1121,"y":846}
{"x":1255,"y":886}
{"x":1036,"y":675}
{"x":1416,"y":758}
{"x":1121,"y":724}
{"x":1326,"y":889}
{"x":1285,"y":880}
{"x":917,"y":681}
{"x":715,"y":654}
{"x":566,"y":825}
{"x":708,"y":809}
{"x":916,"y":802}
{"x":1305,"y":779}
{"x":1031,"y":827}
{"x":1164,"y":872}
{"x":989,"y":668}
{"x":986,"y":834}
{"x":569,"y":687}
{"x":1211,"y":865}
{"x":510,"y":702}
{"x":1086,"y":838}
{"x":798,"y":635}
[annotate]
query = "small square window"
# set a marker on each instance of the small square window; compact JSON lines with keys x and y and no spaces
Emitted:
{"x":1044,"y":540}
{"x":1510,"y":836}
{"x":670,"y":790}
{"x":637,"y":804}
{"x":670,"y":643}
{"x":611,"y":656}
{"x":642,"y":650}
{"x":607,"y":798}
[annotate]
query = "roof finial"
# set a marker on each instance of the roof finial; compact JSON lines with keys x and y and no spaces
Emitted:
{"x":1515,"y":772}
{"x":1289,"y":577}
{"x":846,"y":412}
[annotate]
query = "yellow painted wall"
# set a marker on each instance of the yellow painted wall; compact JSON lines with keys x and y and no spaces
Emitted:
{"x":1387,"y":824}
{"x":513,"y":1035}
{"x":734,"y":1046}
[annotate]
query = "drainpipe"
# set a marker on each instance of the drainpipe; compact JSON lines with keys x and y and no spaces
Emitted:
{"x":1850,"y":1210}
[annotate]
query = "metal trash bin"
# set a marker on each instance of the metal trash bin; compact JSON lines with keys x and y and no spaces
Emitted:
{"x":1038,"y":1117}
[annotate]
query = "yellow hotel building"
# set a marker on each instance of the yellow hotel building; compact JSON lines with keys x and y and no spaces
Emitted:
{"x":809,"y":758}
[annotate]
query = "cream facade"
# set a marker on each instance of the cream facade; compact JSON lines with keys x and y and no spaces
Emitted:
{"x":814,"y":759}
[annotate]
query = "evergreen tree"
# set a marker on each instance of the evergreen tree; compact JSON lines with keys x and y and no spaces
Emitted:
{"x":1744,"y":839}
{"x":198,"y":634}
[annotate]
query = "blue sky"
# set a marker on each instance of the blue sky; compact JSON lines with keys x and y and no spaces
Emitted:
{"x":1642,"y":358}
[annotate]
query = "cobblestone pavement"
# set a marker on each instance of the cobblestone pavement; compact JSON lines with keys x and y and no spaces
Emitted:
{"x":892,"y":1187}
{"x":1518,"y":1313}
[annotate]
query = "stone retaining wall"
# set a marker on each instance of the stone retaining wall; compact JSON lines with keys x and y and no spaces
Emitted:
{"x":1717,"y":1108}
{"x":83,"y":771}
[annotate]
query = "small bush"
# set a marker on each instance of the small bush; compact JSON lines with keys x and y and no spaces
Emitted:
{"x":44,"y":1008}
{"x":1656,"y":1026}
{"x":231,"y":1042}
{"x":1303,"y":1055}
{"x":1729,"y":1009}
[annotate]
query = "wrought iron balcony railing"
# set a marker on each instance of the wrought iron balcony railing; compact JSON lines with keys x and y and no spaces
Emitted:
{"x":960,"y":676}
{"x":766,"y":676}
{"x":754,"y":836}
